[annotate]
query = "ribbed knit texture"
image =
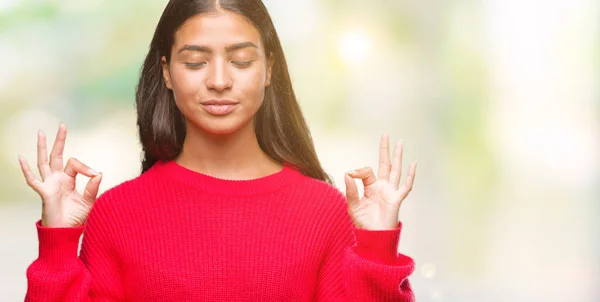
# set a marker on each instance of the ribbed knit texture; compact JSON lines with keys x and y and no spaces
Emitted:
{"x":173,"y":234}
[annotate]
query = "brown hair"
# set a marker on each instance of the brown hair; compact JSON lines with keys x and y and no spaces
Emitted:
{"x":280,"y":127}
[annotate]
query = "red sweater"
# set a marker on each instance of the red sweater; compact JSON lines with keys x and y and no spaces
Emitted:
{"x":173,"y":234}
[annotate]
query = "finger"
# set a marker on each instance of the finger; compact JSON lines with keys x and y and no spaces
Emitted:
{"x":351,"y":190}
{"x":396,"y":173}
{"x":91,"y":189}
{"x":409,"y":181}
{"x":384,"y":157}
{"x":366,"y":174}
{"x":74,"y":166}
{"x":31,"y":179}
{"x":42,"y":153}
{"x":56,"y":156}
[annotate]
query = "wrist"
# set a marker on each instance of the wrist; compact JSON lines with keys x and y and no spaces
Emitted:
{"x":58,"y":244}
{"x":378,"y":245}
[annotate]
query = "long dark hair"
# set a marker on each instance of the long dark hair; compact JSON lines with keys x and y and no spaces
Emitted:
{"x":280,"y":127}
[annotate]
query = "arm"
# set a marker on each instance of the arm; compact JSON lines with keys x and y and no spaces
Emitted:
{"x":59,"y":275}
{"x":364,"y":265}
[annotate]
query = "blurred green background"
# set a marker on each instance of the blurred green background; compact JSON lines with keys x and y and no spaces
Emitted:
{"x":498,"y":100}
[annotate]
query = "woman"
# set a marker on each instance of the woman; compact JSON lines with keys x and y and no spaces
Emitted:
{"x":232,"y":203}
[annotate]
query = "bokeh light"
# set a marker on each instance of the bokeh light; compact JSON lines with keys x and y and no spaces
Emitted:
{"x":354,"y":46}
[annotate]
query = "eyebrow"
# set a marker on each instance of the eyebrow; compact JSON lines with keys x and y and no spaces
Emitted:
{"x":204,"y":48}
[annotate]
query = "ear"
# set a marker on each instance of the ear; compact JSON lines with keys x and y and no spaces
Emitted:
{"x":166,"y":73}
{"x":270,"y":62}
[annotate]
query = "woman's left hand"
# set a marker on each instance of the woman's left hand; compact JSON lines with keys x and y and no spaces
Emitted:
{"x":383,"y":195}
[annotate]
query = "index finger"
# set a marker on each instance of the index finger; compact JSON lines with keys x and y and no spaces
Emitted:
{"x":365,"y":174}
{"x":74,"y":166}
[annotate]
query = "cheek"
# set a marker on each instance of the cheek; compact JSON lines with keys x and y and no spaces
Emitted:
{"x":185,"y":84}
{"x":254,"y":86}
{"x":186,"y":87}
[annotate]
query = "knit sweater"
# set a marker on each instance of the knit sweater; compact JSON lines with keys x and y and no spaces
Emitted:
{"x":173,"y":234}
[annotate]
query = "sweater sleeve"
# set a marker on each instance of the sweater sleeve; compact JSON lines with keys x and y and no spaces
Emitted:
{"x":364,"y":265}
{"x":58,"y":274}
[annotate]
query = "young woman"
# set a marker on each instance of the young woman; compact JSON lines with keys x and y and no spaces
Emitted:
{"x":232,"y":203}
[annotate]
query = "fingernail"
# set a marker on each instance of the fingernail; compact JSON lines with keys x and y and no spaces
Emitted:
{"x":350,"y":172}
{"x":93,"y":172}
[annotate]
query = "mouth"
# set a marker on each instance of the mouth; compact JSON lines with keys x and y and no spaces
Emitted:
{"x":219,"y":107}
{"x":219,"y":102}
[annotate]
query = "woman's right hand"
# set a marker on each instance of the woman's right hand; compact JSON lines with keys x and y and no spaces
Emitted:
{"x":62,"y":205}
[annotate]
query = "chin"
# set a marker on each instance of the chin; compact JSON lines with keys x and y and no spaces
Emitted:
{"x":221,"y":127}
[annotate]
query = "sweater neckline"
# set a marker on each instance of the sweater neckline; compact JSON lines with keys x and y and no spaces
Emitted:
{"x":287,"y":175}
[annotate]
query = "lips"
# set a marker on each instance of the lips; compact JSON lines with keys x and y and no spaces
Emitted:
{"x":219,"y":107}
{"x":219,"y":102}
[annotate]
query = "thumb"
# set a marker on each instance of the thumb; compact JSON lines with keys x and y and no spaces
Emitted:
{"x":91,"y":189}
{"x":351,"y":190}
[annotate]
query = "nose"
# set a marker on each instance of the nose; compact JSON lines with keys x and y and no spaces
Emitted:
{"x":219,"y":78}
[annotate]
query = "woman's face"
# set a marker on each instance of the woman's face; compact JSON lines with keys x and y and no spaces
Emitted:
{"x":218,"y":71}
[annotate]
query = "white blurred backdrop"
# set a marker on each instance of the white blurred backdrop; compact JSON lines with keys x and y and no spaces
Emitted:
{"x":498,"y":100}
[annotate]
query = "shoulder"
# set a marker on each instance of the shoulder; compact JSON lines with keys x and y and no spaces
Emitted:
{"x":319,"y":186}
{"x":323,"y":193}
{"x":125,"y":192}
{"x":329,"y":208}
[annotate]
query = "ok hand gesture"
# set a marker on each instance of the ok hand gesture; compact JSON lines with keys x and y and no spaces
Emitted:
{"x":383,"y":195}
{"x":62,"y":205}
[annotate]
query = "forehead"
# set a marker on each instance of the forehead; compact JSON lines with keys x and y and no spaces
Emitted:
{"x":217,"y":30}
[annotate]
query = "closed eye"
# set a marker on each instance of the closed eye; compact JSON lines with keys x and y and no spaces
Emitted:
{"x":242,"y":64}
{"x":195,"y":65}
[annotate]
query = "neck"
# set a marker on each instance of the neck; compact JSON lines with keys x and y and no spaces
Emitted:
{"x":235,"y":155}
